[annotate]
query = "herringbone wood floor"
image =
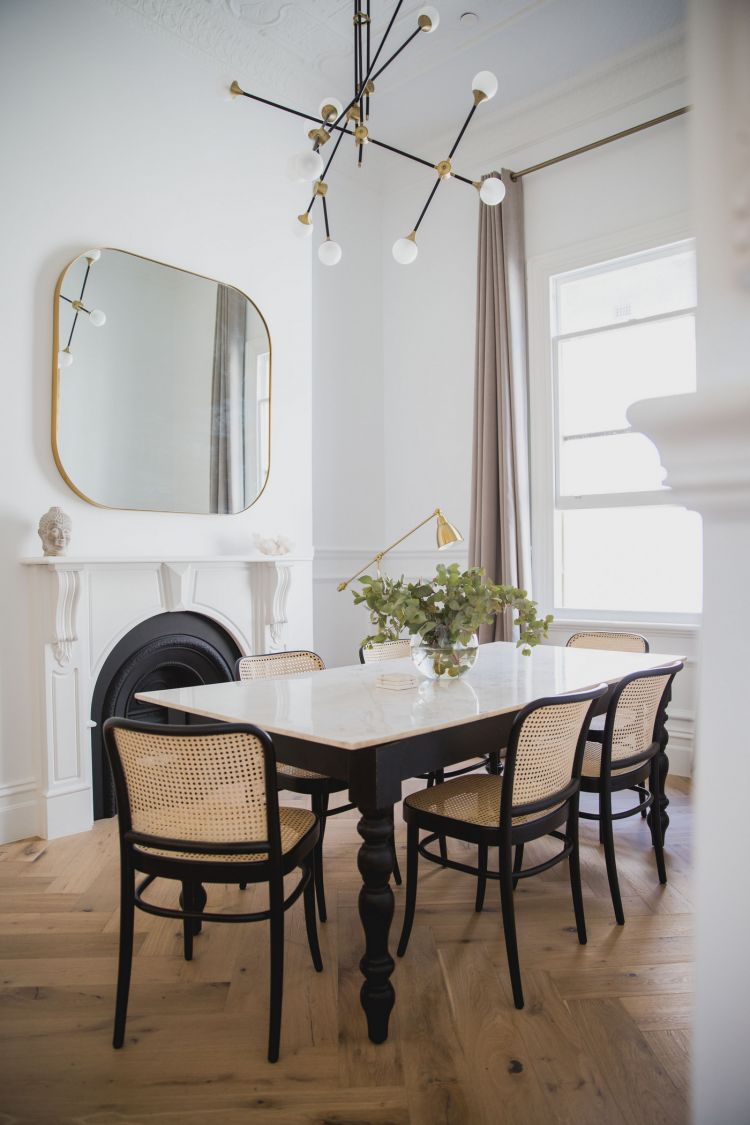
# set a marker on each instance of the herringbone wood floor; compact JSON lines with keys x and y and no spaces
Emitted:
{"x":603,"y":1037}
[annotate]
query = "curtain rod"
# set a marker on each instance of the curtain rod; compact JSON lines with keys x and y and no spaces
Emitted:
{"x":603,"y":141}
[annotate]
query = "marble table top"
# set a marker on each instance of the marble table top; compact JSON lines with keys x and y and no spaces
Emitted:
{"x":345,"y":707}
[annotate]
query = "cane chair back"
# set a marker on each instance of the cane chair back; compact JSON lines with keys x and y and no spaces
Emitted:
{"x":385,"y":650}
{"x":617,"y":642}
{"x":545,"y":752}
{"x":634,"y":710}
{"x":268,"y":665}
{"x":202,"y":789}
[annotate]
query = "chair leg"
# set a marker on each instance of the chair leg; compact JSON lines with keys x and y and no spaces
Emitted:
{"x":276,"y":895}
{"x":605,"y":822}
{"x":187,"y":902}
{"x":509,"y":925}
{"x":396,"y":869}
{"x":482,"y":876}
{"x":320,"y":808}
{"x":644,"y":812}
{"x":658,"y":831}
{"x":517,"y":864}
{"x":310,"y":920}
{"x":125,"y":961}
{"x":412,"y":861}
{"x":574,"y":867}
{"x":243,"y":886}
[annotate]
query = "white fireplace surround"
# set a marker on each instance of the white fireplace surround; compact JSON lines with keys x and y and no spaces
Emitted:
{"x":82,"y":607}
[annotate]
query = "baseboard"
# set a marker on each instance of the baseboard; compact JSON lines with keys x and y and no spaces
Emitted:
{"x":19,"y":812}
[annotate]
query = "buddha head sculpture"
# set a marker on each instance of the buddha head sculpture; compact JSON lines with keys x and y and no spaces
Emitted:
{"x":54,"y":531}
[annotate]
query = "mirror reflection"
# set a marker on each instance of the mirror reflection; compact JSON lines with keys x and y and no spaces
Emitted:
{"x":162,"y":387}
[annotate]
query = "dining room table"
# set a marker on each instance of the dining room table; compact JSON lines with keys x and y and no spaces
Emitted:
{"x":348,"y":723}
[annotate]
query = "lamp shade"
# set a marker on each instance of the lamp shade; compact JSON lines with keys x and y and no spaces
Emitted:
{"x":446,"y":532}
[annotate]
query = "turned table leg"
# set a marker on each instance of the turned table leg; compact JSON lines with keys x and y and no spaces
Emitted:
{"x":662,"y":765}
{"x":375,"y":862}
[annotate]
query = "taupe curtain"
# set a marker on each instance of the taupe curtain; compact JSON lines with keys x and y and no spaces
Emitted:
{"x":499,"y":536}
{"x":227,"y":403}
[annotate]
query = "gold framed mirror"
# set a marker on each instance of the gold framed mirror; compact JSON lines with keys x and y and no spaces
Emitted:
{"x":161,"y":387}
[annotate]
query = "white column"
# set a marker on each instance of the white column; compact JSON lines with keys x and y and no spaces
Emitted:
{"x":704,"y":442}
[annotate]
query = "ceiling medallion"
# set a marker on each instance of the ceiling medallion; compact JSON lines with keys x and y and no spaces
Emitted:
{"x":340,"y":121}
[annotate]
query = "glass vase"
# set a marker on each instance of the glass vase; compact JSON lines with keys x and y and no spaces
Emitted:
{"x":443,"y":661}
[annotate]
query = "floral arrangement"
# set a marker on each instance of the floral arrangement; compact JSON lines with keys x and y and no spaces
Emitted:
{"x":448,"y":610}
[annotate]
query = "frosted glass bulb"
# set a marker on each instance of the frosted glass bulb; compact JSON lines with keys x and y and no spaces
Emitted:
{"x":64,"y":358}
{"x":329,"y":252}
{"x":93,"y":255}
{"x":405,"y":251}
{"x":97,"y":318}
{"x":432,"y":18}
{"x":492,"y":191}
{"x":292,"y":170}
{"x":309,"y":165}
{"x":484,"y":83}
{"x":302,"y":230}
{"x":330,"y":102}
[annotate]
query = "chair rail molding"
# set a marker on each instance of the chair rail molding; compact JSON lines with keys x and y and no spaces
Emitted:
{"x":81,"y":608}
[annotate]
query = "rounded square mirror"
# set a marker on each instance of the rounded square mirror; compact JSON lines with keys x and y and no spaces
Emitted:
{"x":161,"y":387}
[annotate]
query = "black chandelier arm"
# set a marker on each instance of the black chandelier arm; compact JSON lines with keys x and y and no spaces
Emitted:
{"x":369,"y":61}
{"x":342,"y":134}
{"x":343,"y":129}
{"x":464,"y":127}
{"x":80,"y":298}
{"x":366,"y":79}
{"x":395,"y":54}
{"x":325,"y":216}
{"x":430,"y":197}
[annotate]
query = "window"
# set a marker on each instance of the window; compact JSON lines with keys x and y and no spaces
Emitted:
{"x":620,"y":331}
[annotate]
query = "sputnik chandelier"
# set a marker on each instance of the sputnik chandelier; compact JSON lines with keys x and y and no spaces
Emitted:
{"x":350,"y":121}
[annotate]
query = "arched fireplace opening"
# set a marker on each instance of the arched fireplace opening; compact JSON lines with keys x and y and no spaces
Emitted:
{"x":169,"y":650}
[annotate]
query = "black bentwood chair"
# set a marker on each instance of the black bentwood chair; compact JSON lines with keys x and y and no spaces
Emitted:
{"x":623,"y":756}
{"x":379,"y":651}
{"x":199,"y":804}
{"x":536,"y":796}
{"x":318,"y":786}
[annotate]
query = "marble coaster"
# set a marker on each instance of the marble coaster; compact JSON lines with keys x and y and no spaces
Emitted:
{"x":397,"y":681}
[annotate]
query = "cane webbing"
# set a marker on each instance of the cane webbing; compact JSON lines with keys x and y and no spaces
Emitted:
{"x":616,"y":642}
{"x":386,"y":650}
{"x":473,"y":799}
{"x":546,"y":749}
{"x":201,"y":787}
{"x":294,"y":823}
{"x":273,"y":664}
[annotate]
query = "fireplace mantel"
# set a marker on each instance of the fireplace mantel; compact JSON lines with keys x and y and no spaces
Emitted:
{"x":82,"y":607}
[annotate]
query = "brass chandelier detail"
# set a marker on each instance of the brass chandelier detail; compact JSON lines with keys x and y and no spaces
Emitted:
{"x":350,"y":121}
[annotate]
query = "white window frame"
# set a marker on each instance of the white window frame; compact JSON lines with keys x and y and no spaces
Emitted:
{"x":543,"y":445}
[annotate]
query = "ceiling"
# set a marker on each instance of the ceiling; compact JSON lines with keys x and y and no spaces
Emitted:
{"x":298,"y":51}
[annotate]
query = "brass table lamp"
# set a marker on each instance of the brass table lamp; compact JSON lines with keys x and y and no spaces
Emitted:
{"x":446,"y":534}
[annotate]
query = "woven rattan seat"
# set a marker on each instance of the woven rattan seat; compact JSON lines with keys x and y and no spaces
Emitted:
{"x":473,"y":799}
{"x":199,"y":804}
{"x":536,"y":796}
{"x":592,"y":761}
{"x":294,"y":824}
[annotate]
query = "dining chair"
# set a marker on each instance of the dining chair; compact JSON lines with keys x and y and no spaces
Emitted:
{"x":614,"y":642}
{"x":318,"y":786}
{"x":379,"y":651}
{"x":537,"y":795}
{"x":624,"y":759}
{"x":199,"y":804}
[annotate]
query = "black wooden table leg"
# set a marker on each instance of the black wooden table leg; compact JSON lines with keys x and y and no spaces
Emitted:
{"x":375,"y":862}
{"x":661,"y":763}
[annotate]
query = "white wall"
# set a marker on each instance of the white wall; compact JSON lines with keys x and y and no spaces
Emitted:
{"x":117,"y":138}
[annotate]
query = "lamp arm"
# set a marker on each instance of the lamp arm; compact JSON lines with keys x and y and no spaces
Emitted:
{"x":380,"y":554}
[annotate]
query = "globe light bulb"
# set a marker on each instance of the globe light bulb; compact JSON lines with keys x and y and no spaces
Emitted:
{"x":329,"y":252}
{"x":492,"y":191}
{"x":292,"y":170}
{"x":303,"y":228}
{"x":309,"y":165}
{"x":405,"y":251}
{"x":484,"y":83}
{"x":428,"y":18}
{"x":92,"y":256}
{"x":64,"y":358}
{"x":97,"y":318}
{"x":334,"y":108}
